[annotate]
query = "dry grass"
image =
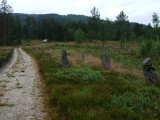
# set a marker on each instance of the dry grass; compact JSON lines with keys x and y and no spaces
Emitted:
{"x":120,"y":68}
{"x":117,"y":67}
{"x":92,"y":60}
{"x":33,"y":42}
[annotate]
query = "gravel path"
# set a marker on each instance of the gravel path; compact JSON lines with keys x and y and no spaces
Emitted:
{"x":20,"y":96}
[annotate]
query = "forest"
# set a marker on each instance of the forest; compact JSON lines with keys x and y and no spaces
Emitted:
{"x":15,"y":27}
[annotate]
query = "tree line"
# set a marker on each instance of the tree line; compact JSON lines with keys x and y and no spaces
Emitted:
{"x":13,"y":30}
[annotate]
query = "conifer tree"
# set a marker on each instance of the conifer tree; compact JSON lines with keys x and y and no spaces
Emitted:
{"x":5,"y":10}
{"x":122,"y":26}
{"x":156,"y":21}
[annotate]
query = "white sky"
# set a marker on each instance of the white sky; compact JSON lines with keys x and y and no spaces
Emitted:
{"x":140,"y":11}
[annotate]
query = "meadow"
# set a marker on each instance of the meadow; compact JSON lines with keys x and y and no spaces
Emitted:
{"x":86,"y":91}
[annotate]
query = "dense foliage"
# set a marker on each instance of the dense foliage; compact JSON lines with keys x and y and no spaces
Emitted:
{"x":79,"y":36}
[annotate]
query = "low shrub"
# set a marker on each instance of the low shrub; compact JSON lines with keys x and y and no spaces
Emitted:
{"x":144,"y":100}
{"x":86,"y":74}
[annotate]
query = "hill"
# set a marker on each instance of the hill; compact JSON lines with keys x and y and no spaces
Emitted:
{"x":56,"y":17}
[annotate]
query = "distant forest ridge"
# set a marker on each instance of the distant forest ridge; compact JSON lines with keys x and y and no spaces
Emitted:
{"x":58,"y":18}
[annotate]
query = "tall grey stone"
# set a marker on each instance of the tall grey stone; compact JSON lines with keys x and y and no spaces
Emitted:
{"x":106,"y":60}
{"x":149,"y":72}
{"x":83,"y":55}
{"x":64,"y":59}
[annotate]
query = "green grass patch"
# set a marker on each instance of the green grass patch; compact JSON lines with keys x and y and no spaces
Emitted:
{"x":86,"y":74}
{"x":6,"y":105}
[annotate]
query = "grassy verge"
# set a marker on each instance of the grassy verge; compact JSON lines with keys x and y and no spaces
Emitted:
{"x":4,"y":51}
{"x":88,"y":92}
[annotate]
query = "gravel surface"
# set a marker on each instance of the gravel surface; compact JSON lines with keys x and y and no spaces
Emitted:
{"x":20,"y":94}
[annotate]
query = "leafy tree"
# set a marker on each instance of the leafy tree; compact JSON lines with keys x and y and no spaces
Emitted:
{"x":72,"y":26}
{"x":79,"y":36}
{"x":122,"y":26}
{"x":5,"y":10}
{"x":156,"y":21}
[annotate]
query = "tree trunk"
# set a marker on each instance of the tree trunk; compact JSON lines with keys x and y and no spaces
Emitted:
{"x":4,"y":30}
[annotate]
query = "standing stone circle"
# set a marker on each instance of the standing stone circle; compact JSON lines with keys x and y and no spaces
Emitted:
{"x":149,"y":72}
{"x":64,"y":59}
{"x":106,"y":60}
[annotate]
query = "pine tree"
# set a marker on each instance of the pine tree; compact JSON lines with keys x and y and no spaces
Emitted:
{"x":5,"y":10}
{"x":122,"y":26}
{"x":156,"y":21}
{"x":94,"y":23}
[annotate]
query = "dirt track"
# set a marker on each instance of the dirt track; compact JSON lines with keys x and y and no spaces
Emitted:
{"x":20,"y":95}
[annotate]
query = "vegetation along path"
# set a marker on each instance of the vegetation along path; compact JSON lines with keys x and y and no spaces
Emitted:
{"x":20,"y":94}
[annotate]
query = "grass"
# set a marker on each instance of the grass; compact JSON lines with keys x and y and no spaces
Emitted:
{"x":4,"y":52}
{"x":9,"y":75}
{"x":88,"y":92}
{"x":18,"y":85}
{"x":6,"y":105}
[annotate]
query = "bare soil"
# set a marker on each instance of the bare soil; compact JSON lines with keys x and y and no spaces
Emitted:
{"x":20,"y":92}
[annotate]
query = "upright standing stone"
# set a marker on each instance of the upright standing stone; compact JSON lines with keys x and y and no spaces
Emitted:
{"x":149,"y":72}
{"x":106,"y":60}
{"x":83,"y":55}
{"x":64,"y":59}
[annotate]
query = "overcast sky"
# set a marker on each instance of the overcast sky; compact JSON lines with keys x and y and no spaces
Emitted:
{"x":137,"y":10}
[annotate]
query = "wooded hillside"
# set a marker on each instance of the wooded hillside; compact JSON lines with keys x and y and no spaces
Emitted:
{"x":15,"y":27}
